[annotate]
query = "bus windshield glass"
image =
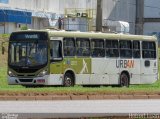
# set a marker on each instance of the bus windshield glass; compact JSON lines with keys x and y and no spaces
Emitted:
{"x":28,"y":54}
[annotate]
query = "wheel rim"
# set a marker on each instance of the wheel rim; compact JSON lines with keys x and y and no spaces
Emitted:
{"x":68,"y":81}
{"x":124,"y":81}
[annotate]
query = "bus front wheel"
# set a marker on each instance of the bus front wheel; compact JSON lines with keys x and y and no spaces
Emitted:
{"x":68,"y":80}
{"x":124,"y":80}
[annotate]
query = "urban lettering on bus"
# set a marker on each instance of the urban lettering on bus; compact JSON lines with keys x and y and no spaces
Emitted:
{"x":125,"y":63}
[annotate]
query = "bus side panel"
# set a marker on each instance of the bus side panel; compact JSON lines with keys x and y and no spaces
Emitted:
{"x":56,"y":74}
{"x":149,"y":74}
{"x":98,"y":74}
{"x":82,"y":79}
{"x":132,"y":66}
{"x":112,"y":70}
{"x":55,"y":79}
{"x":81,"y":68}
{"x":135,"y":72}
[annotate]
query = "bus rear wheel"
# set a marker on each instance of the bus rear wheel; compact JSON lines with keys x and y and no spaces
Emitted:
{"x":124,"y":80}
{"x":68,"y":80}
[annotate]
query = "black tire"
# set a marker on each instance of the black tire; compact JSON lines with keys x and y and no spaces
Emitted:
{"x":33,"y":86}
{"x":68,"y":80}
{"x":29,"y":86}
{"x":124,"y":80}
{"x":91,"y":86}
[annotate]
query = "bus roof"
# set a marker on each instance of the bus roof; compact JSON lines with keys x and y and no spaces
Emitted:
{"x":100,"y":35}
{"x":95,"y":35}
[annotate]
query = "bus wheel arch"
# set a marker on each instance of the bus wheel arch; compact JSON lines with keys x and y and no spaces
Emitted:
{"x":124,"y":79}
{"x":69,"y":78}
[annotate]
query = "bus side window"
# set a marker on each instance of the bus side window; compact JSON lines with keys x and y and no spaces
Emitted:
{"x":83,"y":47}
{"x":125,"y":49}
{"x":149,"y":49}
{"x":136,"y":49}
{"x":112,"y":48}
{"x":69,"y":46}
{"x":97,"y":48}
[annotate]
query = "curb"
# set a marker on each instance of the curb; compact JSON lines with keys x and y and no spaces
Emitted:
{"x":78,"y":97}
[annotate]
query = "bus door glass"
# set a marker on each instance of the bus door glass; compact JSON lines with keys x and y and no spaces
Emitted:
{"x":56,"y":55}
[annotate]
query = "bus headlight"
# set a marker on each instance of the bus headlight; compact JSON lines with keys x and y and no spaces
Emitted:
{"x":10,"y":73}
{"x":42,"y":73}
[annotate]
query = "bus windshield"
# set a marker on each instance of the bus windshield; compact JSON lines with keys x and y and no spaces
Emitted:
{"x":27,"y":54}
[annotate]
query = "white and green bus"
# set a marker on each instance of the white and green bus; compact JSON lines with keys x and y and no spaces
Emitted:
{"x":81,"y":58}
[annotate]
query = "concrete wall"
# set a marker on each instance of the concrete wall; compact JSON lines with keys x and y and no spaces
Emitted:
{"x":1,"y":28}
{"x":10,"y":27}
{"x":56,"y":6}
{"x":151,"y":9}
{"x":120,"y":10}
{"x":151,"y":27}
{"x":38,"y":23}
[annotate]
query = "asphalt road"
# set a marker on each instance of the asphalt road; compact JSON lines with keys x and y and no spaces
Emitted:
{"x":86,"y":108}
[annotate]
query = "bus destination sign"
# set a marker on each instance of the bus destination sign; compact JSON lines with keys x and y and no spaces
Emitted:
{"x":29,"y":36}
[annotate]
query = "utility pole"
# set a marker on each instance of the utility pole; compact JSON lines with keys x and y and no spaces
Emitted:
{"x":139,"y":17}
{"x":99,"y":16}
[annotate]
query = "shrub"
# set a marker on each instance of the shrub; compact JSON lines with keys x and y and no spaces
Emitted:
{"x":24,"y":28}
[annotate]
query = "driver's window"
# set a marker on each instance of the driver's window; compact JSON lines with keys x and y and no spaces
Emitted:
{"x":56,"y":50}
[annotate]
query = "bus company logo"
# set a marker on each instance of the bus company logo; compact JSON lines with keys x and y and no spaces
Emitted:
{"x":34,"y":36}
{"x":125,"y":63}
{"x":84,"y":68}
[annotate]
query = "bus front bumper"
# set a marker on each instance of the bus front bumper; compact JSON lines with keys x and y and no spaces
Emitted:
{"x":27,"y":80}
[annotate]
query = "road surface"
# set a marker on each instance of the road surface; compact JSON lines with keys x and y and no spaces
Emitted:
{"x":83,"y":108}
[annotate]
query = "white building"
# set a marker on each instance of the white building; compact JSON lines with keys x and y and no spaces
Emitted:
{"x":44,"y":13}
{"x":119,"y":10}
